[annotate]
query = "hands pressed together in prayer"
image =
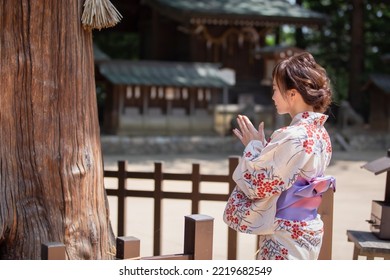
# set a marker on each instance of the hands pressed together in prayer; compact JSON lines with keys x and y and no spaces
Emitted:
{"x":247,"y":131}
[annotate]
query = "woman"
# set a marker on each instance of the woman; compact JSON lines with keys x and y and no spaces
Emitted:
{"x":280,"y":182}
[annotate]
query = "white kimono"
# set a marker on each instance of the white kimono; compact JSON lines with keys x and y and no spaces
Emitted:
{"x":300,"y":150}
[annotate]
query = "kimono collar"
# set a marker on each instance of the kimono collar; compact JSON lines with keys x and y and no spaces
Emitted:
{"x":309,"y":118}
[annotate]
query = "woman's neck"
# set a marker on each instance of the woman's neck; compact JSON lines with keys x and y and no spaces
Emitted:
{"x":298,"y":105}
{"x":300,"y":109}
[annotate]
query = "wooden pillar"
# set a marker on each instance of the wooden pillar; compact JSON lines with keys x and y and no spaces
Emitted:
{"x":195,"y":188}
{"x":387,"y":188}
{"x":326,"y":212}
{"x":357,"y":55}
{"x":122,"y":177}
{"x":53,"y":251}
{"x":232,"y":234}
{"x":112,"y":113}
{"x":128,"y":248}
{"x":144,"y":91}
{"x":155,"y":44}
{"x":198,"y":236}
{"x":157,"y":195}
{"x":193,"y":95}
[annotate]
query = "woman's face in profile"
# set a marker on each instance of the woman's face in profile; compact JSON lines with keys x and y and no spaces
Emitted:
{"x":281,"y":103}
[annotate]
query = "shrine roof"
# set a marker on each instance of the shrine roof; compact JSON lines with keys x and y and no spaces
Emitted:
{"x":381,"y":81}
{"x":237,"y":12}
{"x":163,"y":73}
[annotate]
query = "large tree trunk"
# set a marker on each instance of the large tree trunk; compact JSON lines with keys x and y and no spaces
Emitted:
{"x":51,"y":180}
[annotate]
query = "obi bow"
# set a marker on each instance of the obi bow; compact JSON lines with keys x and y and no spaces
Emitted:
{"x":301,"y":201}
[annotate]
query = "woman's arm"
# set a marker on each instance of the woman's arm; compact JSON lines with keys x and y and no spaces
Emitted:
{"x":268,"y":169}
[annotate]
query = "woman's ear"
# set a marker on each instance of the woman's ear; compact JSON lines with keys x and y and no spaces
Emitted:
{"x":293,"y":93}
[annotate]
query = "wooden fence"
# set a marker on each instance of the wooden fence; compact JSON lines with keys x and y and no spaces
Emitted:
{"x":198,"y":244}
{"x":122,"y":174}
{"x":158,"y":176}
{"x":198,"y":228}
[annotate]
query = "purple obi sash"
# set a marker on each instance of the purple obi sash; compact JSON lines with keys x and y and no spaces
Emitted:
{"x":301,"y":201}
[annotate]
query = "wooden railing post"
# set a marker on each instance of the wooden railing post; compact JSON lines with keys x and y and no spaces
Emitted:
{"x":326,"y":212}
{"x":195,"y":176}
{"x":53,"y":251}
{"x":122,"y":169}
{"x":157,"y":195}
{"x":198,"y":236}
{"x":127,"y":247}
{"x":232,"y":234}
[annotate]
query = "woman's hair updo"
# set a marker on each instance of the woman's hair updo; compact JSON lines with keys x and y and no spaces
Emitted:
{"x":302,"y":73}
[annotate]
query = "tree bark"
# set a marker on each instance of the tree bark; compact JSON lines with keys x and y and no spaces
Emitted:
{"x":51,"y":168}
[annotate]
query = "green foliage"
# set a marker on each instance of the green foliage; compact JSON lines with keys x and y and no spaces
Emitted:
{"x":331,"y":45}
{"x":270,"y":40}
{"x":287,"y":35}
{"x":377,"y":43}
{"x":118,"y":45}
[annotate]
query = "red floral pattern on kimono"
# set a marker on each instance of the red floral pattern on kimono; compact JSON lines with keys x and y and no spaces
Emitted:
{"x":268,"y":168}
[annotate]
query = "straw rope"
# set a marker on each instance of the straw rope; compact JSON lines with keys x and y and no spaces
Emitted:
{"x":98,"y":14}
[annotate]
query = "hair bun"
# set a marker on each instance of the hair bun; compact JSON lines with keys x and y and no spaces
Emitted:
{"x":303,"y":73}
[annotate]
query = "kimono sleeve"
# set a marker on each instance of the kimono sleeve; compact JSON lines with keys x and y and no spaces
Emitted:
{"x":265,"y":171}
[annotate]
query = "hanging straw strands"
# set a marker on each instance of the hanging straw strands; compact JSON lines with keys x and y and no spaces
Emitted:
{"x":99,"y":14}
